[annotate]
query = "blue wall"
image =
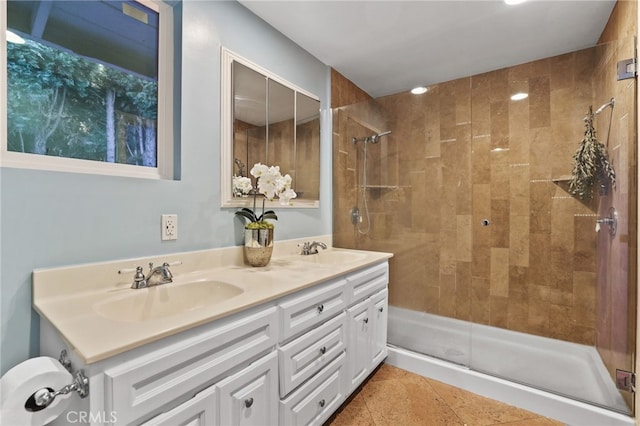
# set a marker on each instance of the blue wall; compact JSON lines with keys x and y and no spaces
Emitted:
{"x":56,"y":219}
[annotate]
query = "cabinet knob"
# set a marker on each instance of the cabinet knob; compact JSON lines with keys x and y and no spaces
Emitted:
{"x":321,"y":403}
{"x":248,"y":402}
{"x":380,"y":309}
{"x":323,"y":350}
{"x":320,"y":308}
{"x":366,"y":320}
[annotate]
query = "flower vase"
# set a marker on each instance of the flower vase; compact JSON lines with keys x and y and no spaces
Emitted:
{"x":258,"y":246}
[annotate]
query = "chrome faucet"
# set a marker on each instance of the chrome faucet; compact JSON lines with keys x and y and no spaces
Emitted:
{"x":156,"y":276}
{"x":312,"y":248}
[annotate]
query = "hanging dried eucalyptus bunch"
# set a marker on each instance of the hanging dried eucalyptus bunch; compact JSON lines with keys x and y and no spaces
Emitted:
{"x":591,"y":164}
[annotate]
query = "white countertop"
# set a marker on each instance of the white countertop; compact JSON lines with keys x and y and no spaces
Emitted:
{"x":68,"y":297}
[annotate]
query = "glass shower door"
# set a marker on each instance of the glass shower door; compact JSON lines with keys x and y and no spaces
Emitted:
{"x":396,"y":209}
{"x":561,"y":282}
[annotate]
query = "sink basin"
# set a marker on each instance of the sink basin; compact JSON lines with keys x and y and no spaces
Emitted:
{"x":165,"y":300}
{"x":331,"y":257}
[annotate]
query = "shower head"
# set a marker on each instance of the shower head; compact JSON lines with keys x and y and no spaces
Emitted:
{"x":373,"y":138}
{"x":376,"y":138}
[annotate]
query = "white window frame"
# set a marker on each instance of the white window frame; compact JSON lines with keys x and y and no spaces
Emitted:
{"x":165,"y":142}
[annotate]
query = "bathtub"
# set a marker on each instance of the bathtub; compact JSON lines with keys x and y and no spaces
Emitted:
{"x":508,"y":366}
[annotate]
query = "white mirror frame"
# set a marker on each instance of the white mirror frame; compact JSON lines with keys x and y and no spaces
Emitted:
{"x":226,"y":134}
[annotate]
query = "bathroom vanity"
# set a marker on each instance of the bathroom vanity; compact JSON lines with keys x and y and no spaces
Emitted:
{"x":286,"y":347}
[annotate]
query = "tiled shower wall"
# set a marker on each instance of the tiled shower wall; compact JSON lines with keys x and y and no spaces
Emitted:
{"x":463,"y":153}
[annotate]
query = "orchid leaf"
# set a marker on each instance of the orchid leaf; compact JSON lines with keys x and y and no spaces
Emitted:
{"x":270,"y":214}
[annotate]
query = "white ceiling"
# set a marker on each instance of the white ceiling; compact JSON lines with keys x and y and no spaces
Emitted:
{"x":387,"y":47}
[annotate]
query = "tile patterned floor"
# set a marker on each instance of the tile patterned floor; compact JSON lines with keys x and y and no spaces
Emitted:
{"x":395,"y":397}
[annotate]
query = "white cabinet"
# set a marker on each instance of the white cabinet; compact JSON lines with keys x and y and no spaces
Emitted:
{"x":250,"y":397}
{"x":201,"y":410}
{"x":367,"y":331}
{"x":341,"y":329}
{"x":153,"y":381}
{"x":289,"y":361}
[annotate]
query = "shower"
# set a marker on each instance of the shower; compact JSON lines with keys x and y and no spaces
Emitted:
{"x":356,"y":215}
{"x":496,"y":267}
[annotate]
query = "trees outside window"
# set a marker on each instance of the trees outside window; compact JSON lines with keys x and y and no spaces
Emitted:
{"x":65,"y":105}
{"x":92,"y":81}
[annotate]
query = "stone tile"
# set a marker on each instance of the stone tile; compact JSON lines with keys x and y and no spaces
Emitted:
{"x":519,"y":189}
{"x":539,"y":102}
{"x":480,"y":160}
{"x":478,"y":410}
{"x":406,"y":402}
{"x":464,"y":238}
{"x":519,"y":240}
{"x":500,"y":223}
{"x":390,"y":372}
{"x":393,"y":396}
{"x":499,"y":272}
{"x":355,"y":413}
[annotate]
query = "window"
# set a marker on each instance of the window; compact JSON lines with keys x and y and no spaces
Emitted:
{"x":89,"y":87}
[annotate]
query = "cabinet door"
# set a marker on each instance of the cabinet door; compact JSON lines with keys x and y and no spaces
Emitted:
{"x":201,"y":410}
{"x":379,"y":334}
{"x":250,"y":397}
{"x":359,"y":349}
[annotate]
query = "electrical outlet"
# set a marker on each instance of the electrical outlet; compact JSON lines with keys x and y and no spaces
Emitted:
{"x":169,"y":227}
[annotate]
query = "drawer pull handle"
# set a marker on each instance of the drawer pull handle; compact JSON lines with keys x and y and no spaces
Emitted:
{"x":366,"y":320}
{"x":248,"y":402}
{"x":380,"y":309}
{"x":321,"y":403}
{"x":320,"y":308}
{"x":323,"y":350}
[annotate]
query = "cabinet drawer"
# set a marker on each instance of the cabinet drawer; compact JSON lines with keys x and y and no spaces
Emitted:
{"x":365,"y":283}
{"x":250,"y":397}
{"x":306,"y":355}
{"x":302,"y":311}
{"x":317,"y":399}
{"x":151,"y":382}
{"x":201,"y":410}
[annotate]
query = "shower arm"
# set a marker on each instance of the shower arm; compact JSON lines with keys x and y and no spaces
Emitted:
{"x":601,"y":108}
{"x":604,"y":106}
{"x":371,"y":139}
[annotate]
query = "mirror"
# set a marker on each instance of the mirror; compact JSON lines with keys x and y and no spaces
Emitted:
{"x":268,"y":120}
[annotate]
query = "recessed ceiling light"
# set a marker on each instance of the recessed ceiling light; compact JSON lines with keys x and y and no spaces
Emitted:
{"x":14,"y":38}
{"x":519,"y":96}
{"x":419,"y":90}
{"x":512,"y":2}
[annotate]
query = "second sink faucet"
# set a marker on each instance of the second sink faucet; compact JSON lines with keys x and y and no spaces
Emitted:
{"x":312,"y":248}
{"x":156,"y":276}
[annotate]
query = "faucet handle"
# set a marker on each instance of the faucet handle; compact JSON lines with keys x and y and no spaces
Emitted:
{"x":139,"y":272}
{"x":306,"y":247}
{"x":139,"y":278}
